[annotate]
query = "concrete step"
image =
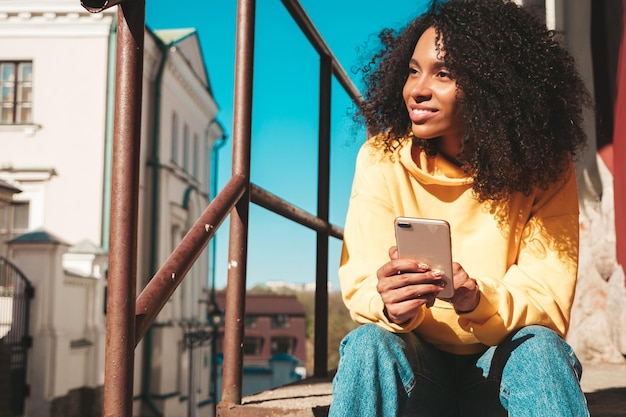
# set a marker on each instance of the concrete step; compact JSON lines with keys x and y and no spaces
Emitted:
{"x":604,"y":386}
{"x":310,"y":397}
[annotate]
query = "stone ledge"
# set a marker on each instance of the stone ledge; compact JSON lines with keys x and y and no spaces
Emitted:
{"x":604,"y":385}
{"x":310,"y":397}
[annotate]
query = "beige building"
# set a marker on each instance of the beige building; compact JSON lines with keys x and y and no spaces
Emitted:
{"x":57,"y":66}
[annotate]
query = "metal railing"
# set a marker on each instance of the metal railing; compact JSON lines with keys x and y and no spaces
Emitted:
{"x":129,"y":315}
{"x":16,"y":293}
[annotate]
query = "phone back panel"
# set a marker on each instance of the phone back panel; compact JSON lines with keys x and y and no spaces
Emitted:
{"x":427,"y":240}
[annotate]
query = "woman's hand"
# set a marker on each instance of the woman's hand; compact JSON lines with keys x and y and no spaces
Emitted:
{"x":405,"y":285}
{"x":466,"y":292}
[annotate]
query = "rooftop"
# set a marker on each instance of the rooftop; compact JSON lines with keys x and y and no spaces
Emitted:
{"x":267,"y":304}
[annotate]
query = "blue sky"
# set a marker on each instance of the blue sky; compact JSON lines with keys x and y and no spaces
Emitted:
{"x":285,"y":114}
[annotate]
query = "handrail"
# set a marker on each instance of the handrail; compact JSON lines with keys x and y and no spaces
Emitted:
{"x":235,"y":296}
{"x":272,"y":202}
{"x":127,"y":315}
{"x":317,"y":41}
{"x":238,"y":242}
{"x":120,"y":323}
{"x":162,"y":285}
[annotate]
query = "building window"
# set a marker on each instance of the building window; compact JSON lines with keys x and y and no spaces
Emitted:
{"x":3,"y":217}
{"x":250,"y":322}
{"x":17,"y":92}
{"x":252,"y":345}
{"x":4,"y":228}
{"x":196,"y":156}
{"x":175,"y":138}
{"x":186,"y":148}
{"x":175,"y":236}
{"x":280,"y":321}
{"x":21,"y":211}
{"x":283,"y":345}
{"x":14,"y":220}
{"x":208,"y":164}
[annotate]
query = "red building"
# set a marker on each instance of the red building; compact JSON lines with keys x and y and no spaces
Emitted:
{"x":274,"y":324}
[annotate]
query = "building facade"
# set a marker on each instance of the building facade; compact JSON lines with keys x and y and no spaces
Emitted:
{"x":274,"y":324}
{"x":57,"y":69}
{"x":274,"y":346}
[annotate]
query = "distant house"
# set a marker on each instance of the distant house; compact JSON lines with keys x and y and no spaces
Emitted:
{"x":274,"y":324}
{"x":274,"y":347}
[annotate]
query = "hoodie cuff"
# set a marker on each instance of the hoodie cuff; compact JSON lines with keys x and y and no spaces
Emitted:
{"x":486,"y":308}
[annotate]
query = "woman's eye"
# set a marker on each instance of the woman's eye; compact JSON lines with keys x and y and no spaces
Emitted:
{"x":413,"y":70}
{"x":444,"y":74}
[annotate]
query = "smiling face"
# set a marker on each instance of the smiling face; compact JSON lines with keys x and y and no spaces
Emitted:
{"x":430,"y":94}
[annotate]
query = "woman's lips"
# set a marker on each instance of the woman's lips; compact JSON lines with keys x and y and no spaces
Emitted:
{"x":421,"y":114}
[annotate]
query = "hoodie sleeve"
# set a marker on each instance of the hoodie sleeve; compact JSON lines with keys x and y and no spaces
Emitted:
{"x":368,"y":235}
{"x":539,"y":287}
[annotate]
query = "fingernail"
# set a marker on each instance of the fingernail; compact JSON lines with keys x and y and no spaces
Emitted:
{"x":422,"y":266}
{"x":437,"y":272}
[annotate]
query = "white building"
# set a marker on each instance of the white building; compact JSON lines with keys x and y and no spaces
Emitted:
{"x":57,"y":68}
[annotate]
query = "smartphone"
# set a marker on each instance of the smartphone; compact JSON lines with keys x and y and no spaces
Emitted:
{"x":427,"y":240}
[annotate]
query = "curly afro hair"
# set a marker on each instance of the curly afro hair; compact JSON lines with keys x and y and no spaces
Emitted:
{"x":522,"y":95}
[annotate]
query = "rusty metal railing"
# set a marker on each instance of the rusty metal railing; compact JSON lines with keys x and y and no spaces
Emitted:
{"x":120,"y":323}
{"x":129,"y":317}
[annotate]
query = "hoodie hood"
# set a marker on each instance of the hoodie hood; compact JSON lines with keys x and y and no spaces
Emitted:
{"x":431,"y":170}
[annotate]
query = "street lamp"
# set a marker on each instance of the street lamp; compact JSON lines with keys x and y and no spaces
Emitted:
{"x":215,"y":318}
{"x":198,"y":334}
{"x":193,"y":337}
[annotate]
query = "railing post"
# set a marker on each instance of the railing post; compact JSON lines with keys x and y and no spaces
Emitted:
{"x":122,"y":280}
{"x":323,"y":196}
{"x":238,"y":243}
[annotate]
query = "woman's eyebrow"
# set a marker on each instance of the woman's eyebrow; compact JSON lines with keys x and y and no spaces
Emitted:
{"x":437,"y":64}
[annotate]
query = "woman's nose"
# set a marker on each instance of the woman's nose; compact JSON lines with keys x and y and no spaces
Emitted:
{"x":420,"y":88}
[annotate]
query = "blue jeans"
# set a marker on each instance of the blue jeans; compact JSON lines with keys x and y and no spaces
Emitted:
{"x":532,"y":373}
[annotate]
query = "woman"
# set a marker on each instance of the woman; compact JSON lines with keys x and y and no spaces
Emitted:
{"x":477,"y":114}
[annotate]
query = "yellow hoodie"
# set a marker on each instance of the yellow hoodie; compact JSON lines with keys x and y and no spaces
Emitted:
{"x":525,"y":261}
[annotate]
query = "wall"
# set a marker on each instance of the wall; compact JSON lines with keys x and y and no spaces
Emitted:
{"x":67,"y":326}
{"x":67,"y":143}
